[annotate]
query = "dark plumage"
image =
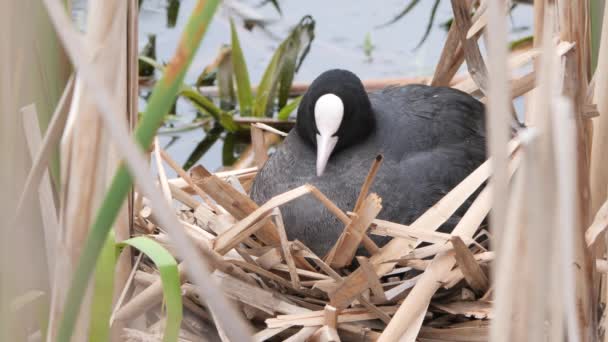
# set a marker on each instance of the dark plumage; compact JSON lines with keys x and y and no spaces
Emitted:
{"x":431,"y":139}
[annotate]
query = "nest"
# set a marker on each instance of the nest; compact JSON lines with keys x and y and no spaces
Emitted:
{"x":286,"y":291}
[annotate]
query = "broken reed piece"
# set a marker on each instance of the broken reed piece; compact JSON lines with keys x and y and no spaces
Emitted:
{"x":369,"y":179}
{"x":331,"y":316}
{"x":471,"y":270}
{"x":303,"y":251}
{"x":186,"y":178}
{"x":372,"y":277}
{"x":345,"y":248}
{"x":269,"y":259}
{"x":286,"y":248}
{"x":325,"y":334}
{"x":387,"y":228}
{"x":599,"y":224}
{"x":381,"y":315}
{"x":260,"y":153}
{"x":224,"y":241}
{"x":237,"y":234}
{"x":479,"y":23}
{"x":183,"y":197}
{"x":236,"y":203}
{"x":337,"y":279}
{"x":300,"y":249}
{"x":162,"y":175}
{"x":368,"y":243}
{"x":270,"y":129}
{"x":317,"y":318}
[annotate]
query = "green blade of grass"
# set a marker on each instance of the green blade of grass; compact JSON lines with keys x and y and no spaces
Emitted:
{"x":172,"y":12}
{"x":101,"y":309}
{"x":228,"y":157}
{"x":200,"y":102}
{"x":225,"y":82}
{"x":162,"y":98}
{"x":149,"y":51}
{"x":169,"y":275}
{"x":202,"y":147}
{"x":296,"y":47}
{"x":265,"y":91}
{"x":288,"y":108}
{"x":405,"y":11}
{"x":595,"y":18}
{"x":243,"y":86}
{"x":204,"y":105}
{"x":307,"y":24}
{"x":279,"y":73}
{"x":151,"y":62}
{"x":288,"y":71}
{"x":429,"y":25}
{"x":291,"y":49}
{"x":522,"y":42}
{"x":274,"y":3}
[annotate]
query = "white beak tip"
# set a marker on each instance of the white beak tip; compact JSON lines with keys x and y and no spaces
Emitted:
{"x":325,"y":145}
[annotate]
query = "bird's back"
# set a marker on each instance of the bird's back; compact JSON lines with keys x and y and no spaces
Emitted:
{"x":431,"y":138}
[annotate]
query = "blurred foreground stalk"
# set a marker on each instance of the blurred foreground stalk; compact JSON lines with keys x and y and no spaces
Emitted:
{"x":162,"y":98}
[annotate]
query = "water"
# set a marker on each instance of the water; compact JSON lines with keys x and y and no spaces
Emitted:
{"x":341,"y":29}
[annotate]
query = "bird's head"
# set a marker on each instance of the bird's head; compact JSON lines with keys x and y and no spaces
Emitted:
{"x":335,"y":113}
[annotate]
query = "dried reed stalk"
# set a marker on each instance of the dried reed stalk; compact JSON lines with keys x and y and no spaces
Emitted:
{"x":197,"y":268}
{"x":498,"y":109}
{"x":49,"y":142}
{"x":565,"y":276}
{"x":475,"y":63}
{"x":28,"y":76}
{"x":259,"y":147}
{"x":162,"y":175}
{"x":89,"y":158}
{"x":129,"y":87}
{"x":48,"y":206}
{"x":471,"y":270}
{"x":598,"y":226}
{"x":599,"y":150}
{"x":573,"y":23}
{"x":450,"y":60}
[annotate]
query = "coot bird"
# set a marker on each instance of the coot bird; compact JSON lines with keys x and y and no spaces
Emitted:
{"x":431,"y":139}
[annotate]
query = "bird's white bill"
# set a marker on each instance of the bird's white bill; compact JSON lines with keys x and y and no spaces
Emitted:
{"x":325,"y":145}
{"x":329,"y":111}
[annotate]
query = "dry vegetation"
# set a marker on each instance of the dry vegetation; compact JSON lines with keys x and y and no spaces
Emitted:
{"x":538,"y":274}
